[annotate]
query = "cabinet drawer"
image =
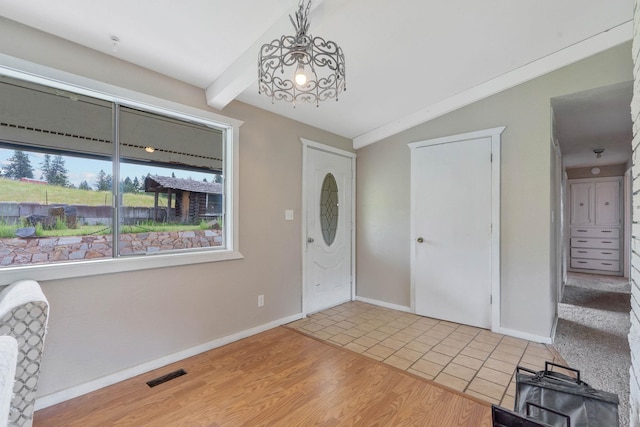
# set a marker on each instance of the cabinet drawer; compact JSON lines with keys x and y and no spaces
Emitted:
{"x":611,"y":232}
{"x":577,"y":242}
{"x":602,"y":254}
{"x":595,"y":264}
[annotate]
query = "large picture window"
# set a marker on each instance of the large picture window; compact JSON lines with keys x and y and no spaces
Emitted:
{"x":84,"y":178}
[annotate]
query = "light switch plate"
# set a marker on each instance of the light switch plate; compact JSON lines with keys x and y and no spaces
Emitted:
{"x":288,"y":215}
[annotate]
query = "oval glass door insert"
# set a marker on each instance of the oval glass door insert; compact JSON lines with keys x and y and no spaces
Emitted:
{"x":329,"y":209}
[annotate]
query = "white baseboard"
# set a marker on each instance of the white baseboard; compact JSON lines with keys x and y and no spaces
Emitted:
{"x":523,"y":335}
{"x":79,"y":390}
{"x":385,"y":304}
{"x":554,"y":328}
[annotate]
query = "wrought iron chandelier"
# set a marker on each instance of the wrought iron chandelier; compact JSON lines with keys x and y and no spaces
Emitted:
{"x":301,"y":68}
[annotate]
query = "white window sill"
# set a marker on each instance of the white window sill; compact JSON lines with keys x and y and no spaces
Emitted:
{"x":65,"y":270}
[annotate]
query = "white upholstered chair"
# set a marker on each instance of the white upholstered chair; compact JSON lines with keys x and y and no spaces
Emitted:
{"x":24,"y":313}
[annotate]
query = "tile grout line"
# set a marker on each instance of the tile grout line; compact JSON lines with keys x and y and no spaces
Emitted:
{"x":391,"y":316}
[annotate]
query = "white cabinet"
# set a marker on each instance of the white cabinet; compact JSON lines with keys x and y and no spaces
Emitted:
{"x":607,"y":203}
{"x":595,"y":225}
{"x":595,"y":202}
{"x":582,"y":203}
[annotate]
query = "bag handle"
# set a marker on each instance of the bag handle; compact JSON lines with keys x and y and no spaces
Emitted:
{"x":542,"y":408}
{"x":547,"y":370}
{"x":522,"y":368}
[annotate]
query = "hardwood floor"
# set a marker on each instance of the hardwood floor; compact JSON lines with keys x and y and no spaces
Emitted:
{"x":276,"y":378}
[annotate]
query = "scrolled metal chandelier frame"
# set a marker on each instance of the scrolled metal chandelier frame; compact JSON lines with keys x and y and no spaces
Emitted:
{"x":301,"y":68}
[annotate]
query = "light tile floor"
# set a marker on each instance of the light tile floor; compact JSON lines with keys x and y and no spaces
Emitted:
{"x":471,"y":360}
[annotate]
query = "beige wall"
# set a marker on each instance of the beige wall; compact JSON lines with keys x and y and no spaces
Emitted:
{"x":528,"y":294}
{"x":100,"y":325}
{"x":605,"y":171}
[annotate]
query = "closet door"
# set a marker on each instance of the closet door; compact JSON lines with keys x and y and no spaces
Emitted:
{"x":607,"y":203}
{"x":453,"y":250}
{"x":582,"y":212}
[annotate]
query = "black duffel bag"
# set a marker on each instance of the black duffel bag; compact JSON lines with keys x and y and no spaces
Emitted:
{"x":502,"y":417}
{"x":585,"y":405}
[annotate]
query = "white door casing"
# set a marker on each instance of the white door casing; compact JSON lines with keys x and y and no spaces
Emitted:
{"x":455,"y":228}
{"x":328,"y":255}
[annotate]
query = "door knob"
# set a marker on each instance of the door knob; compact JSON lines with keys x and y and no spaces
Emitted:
{"x":310,"y":240}
{"x":419,"y":240}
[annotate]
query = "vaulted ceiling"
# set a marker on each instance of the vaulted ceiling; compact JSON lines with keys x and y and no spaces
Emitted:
{"x":406,"y":60}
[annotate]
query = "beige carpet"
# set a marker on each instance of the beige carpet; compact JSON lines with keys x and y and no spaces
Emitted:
{"x":592,"y":333}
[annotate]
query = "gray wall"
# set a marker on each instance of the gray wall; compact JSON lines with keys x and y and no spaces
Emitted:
{"x":101,"y":325}
{"x":527,"y":236}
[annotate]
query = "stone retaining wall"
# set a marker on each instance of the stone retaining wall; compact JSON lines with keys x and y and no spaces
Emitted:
{"x":17,"y":251}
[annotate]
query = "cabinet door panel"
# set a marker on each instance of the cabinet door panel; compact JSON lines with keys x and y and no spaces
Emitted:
{"x":581,"y":203}
{"x":607,"y":203}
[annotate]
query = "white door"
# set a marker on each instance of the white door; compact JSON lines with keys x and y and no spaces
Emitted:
{"x":452,"y":186}
{"x":329,"y":216}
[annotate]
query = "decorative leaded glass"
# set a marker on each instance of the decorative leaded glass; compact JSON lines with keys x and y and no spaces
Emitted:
{"x":329,"y":209}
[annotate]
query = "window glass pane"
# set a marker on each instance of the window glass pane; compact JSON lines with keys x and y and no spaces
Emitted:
{"x":171,"y":180}
{"x":53,"y":145}
{"x":329,"y":209}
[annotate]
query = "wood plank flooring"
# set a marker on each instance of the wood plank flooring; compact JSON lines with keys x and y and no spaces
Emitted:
{"x":277,"y":378}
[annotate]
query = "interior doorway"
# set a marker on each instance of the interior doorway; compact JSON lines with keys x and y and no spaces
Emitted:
{"x":593,"y":132}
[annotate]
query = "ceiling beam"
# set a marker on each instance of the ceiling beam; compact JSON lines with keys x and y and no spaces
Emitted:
{"x":243,"y":72}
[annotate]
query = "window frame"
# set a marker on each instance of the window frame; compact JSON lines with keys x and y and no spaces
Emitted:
{"x":24,"y":70}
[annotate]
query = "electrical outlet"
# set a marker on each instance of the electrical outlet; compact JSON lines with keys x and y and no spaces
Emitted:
{"x":260,"y":300}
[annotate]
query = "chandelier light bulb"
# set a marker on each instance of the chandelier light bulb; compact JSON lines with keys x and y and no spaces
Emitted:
{"x":300,"y":76}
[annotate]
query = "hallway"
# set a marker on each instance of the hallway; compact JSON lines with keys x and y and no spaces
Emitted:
{"x":593,"y":325}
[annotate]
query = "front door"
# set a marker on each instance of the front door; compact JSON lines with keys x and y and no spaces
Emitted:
{"x":452,"y":217}
{"x":328,"y":242}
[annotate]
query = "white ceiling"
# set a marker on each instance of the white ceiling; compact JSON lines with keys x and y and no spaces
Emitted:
{"x":594,"y":119}
{"x":406,"y":60}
